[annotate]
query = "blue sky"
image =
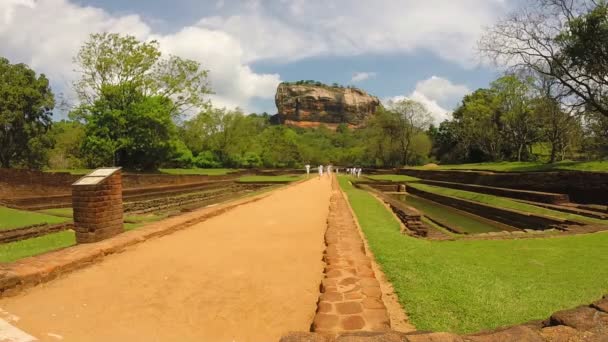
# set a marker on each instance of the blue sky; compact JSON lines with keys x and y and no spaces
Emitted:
{"x":393,"y":49}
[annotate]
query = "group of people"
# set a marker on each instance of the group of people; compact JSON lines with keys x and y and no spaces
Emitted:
{"x":329,"y":169}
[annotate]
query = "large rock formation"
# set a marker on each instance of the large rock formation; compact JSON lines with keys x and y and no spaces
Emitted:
{"x":311,"y":105}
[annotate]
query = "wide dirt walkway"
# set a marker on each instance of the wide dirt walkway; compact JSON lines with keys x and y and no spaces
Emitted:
{"x":251,"y":274}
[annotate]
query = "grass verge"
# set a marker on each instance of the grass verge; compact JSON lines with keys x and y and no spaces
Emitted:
{"x":12,"y":218}
{"x":21,"y":249}
{"x":467,"y":286}
{"x":506,"y":203}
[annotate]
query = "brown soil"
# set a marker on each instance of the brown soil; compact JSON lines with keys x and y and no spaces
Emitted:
{"x":251,"y":274}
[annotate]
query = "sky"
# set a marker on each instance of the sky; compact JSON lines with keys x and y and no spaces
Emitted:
{"x":394,"y":49}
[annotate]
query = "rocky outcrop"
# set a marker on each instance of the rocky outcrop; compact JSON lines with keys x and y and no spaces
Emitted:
{"x":312,"y":105}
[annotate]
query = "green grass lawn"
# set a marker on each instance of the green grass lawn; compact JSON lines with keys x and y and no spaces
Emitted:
{"x":597,"y":166}
{"x":195,"y":171}
{"x":25,"y":248}
{"x":78,"y":172}
{"x":61,"y":212}
{"x":12,"y":218}
{"x":467,"y":286}
{"x":506,"y":203}
{"x":269,"y":179}
{"x":394,"y":178}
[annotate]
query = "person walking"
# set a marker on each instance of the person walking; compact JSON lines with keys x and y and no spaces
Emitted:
{"x":359,"y":173}
{"x":307,"y":170}
{"x":320,"y":171}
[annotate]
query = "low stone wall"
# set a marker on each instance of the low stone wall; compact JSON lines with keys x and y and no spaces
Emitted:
{"x":534,"y":196}
{"x":24,"y":233}
{"x":25,"y":183}
{"x":510,"y":217}
{"x":165,"y":202}
{"x":585,"y":323}
{"x":581,"y":187}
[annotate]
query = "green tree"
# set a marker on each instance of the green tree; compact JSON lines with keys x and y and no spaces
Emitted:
{"x":562,"y":39}
{"x":519,"y":125}
{"x":26,"y":102}
{"x":67,"y":137}
{"x":130,"y":97}
{"x":279,"y":147}
{"x":411,"y":118}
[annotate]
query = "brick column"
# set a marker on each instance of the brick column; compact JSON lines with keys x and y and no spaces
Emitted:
{"x":97,"y":203}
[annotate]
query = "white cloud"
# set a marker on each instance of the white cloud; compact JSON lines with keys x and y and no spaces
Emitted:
{"x":362,"y":76}
{"x":46,"y":34}
{"x":436,"y":93}
{"x":295,"y":29}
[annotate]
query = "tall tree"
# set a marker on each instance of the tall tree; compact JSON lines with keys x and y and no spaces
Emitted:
{"x":130,"y":97}
{"x":411,"y":118}
{"x":519,"y":124}
{"x":26,"y":102}
{"x":562,"y":39}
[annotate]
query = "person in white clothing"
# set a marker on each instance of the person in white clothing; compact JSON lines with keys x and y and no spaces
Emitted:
{"x":359,"y":173}
{"x":320,"y":171}
{"x":307,"y":170}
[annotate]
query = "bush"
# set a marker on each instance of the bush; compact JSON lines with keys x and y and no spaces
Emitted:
{"x":206,"y":159}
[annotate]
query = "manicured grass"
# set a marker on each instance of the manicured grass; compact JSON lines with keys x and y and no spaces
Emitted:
{"x":12,"y":218}
{"x":71,"y":171}
{"x":204,"y":172}
{"x":467,"y":286}
{"x":506,"y":203}
{"x":25,"y":248}
{"x":596,"y":166}
{"x":61,"y":212}
{"x":394,"y":178}
{"x":269,"y":179}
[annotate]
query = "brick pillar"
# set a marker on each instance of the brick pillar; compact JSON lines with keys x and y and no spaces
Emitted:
{"x":97,"y":203}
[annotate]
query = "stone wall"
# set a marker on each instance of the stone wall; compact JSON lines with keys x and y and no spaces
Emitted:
{"x":581,"y":187}
{"x":588,"y":323}
{"x":510,"y":217}
{"x":533,"y":196}
{"x":165,"y":202}
{"x":98,"y":211}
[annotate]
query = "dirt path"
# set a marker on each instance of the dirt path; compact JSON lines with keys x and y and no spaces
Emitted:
{"x":251,"y":274}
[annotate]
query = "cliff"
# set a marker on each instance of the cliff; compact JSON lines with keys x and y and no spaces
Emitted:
{"x":311,"y":105}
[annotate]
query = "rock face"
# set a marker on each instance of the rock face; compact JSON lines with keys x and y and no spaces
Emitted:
{"x":306,"y":105}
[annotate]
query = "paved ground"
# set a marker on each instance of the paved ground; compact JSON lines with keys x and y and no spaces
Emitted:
{"x":251,"y":274}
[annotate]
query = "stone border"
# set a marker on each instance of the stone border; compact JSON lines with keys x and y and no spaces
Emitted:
{"x":351,"y":297}
{"x":25,"y":273}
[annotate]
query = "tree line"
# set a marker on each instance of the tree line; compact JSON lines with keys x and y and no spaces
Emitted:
{"x":142,"y":110}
